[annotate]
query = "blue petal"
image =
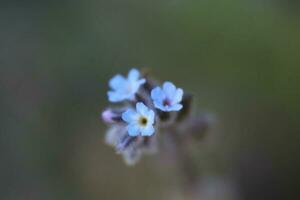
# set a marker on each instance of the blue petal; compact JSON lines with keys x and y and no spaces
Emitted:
{"x":169,"y":89}
{"x":141,"y":81}
{"x":117,"y":81}
{"x":148,"y":131}
{"x":159,"y":106}
{"x":141,"y":108}
{"x":157,"y":94}
{"x":133,"y":129}
{"x":129,"y":116}
{"x":151,"y":116}
{"x":133,"y":75}
{"x":178,"y":96}
{"x":114,"y":96}
{"x":175,"y":107}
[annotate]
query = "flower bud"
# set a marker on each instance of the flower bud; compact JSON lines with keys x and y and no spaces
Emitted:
{"x":111,"y":116}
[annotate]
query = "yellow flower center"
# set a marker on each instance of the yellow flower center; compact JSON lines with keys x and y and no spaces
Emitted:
{"x":143,"y":121}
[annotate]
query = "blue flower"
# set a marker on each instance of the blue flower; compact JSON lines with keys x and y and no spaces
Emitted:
{"x":167,"y":98}
{"x":140,"y":122}
{"x":125,"y":88}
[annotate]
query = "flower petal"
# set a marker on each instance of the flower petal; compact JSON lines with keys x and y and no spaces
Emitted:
{"x":159,"y":106}
{"x":130,"y":116}
{"x":151,"y":116}
{"x":114,"y":96}
{"x":133,"y":129}
{"x":175,"y":107}
{"x":148,"y":131}
{"x":133,"y":75}
{"x":141,"y":81}
{"x":178,"y":96}
{"x":117,"y":81}
{"x":157,"y":94}
{"x":141,"y":108}
{"x":169,"y":89}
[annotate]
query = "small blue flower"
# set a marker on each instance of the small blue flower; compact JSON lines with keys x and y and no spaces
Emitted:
{"x":125,"y":88}
{"x":140,"y":122}
{"x":167,"y":98}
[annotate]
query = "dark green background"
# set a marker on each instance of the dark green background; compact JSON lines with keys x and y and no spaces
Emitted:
{"x":240,"y":58}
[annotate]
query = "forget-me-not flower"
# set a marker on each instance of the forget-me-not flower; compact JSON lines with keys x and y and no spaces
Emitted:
{"x":140,"y":122}
{"x":125,"y":88}
{"x":133,"y":130}
{"x":167,"y":98}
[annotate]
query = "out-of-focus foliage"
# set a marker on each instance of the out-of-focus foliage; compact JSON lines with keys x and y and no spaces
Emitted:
{"x":240,"y":58}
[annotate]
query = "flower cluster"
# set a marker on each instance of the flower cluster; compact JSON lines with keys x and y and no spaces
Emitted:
{"x":147,"y":110}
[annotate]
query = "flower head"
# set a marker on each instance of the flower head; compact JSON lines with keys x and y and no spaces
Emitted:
{"x":124,"y":88}
{"x":167,"y":98}
{"x":131,"y":131}
{"x":140,"y":122}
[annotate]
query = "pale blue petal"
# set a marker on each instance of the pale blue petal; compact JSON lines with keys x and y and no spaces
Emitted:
{"x":151,"y":116}
{"x":130,"y":116}
{"x":133,"y":129}
{"x":169,"y":89}
{"x":141,"y":108}
{"x":159,"y":106}
{"x":114,"y":96}
{"x":148,"y":131}
{"x":117,"y":81}
{"x":175,"y":107}
{"x":157,"y":94}
{"x":133,"y":75}
{"x":178,"y":96}
{"x":141,"y":81}
{"x":134,"y":87}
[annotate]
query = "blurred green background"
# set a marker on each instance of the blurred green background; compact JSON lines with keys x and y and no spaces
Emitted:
{"x":240,"y":58}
